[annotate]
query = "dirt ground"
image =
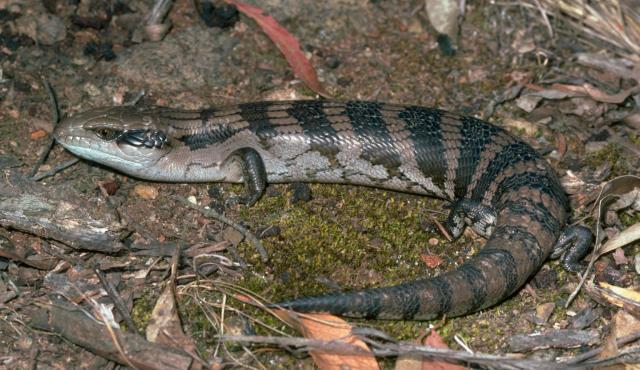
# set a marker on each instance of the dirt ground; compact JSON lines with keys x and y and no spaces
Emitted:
{"x":335,"y":237}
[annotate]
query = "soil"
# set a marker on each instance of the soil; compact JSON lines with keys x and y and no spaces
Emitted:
{"x":336,"y":237}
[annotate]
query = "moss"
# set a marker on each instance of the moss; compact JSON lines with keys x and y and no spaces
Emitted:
{"x":142,"y":308}
{"x":353,"y":237}
{"x":629,"y":219}
{"x":611,"y":153}
{"x":344,"y":234}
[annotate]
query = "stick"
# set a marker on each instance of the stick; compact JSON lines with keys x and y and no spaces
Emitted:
{"x":246,"y":233}
{"x":56,"y":117}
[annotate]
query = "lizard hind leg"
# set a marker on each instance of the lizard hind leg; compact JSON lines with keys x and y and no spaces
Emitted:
{"x":469,"y":212}
{"x":572,"y":246}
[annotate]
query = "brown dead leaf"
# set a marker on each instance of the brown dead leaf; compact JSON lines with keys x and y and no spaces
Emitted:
{"x":286,"y":43}
{"x":619,"y":258}
{"x":626,"y":236}
{"x":627,"y":299}
{"x":418,"y":362}
{"x":623,"y":324}
{"x":618,"y":187}
{"x":245,"y":299}
{"x":529,"y":128}
{"x":165,"y":326}
{"x":594,"y":93}
{"x":612,"y":190}
{"x":108,"y":188}
{"x":626,"y":324}
{"x":435,"y":340}
{"x":327,"y":327}
{"x":603,"y":97}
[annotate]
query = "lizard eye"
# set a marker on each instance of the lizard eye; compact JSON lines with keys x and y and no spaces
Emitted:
{"x":106,"y":133}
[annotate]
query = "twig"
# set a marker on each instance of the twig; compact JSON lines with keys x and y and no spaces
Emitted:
{"x":95,"y":335}
{"x":117,"y":300}
{"x":401,"y":348}
{"x":630,"y":356}
{"x":134,"y":101}
{"x":545,"y":18}
{"x":589,"y":354}
{"x":159,"y":11}
{"x":56,"y":169}
{"x":56,"y":117}
{"x":246,"y":233}
{"x":396,"y":349}
{"x":155,"y":28}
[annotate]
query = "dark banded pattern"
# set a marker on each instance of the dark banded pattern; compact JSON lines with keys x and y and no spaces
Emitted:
{"x":426,"y":134}
{"x":413,"y":149}
{"x":371,"y":129}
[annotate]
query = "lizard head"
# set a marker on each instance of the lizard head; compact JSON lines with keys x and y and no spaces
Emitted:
{"x":127,"y":138}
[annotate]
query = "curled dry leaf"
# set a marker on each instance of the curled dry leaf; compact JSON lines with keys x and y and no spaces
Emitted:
{"x":561,"y":146}
{"x":623,"y":324}
{"x":628,"y":200}
{"x":625,"y":298}
{"x":165,"y":326}
{"x":286,"y":43}
{"x":529,"y":128}
{"x":625,"y":237}
{"x":530,"y":100}
{"x":572,"y":183}
{"x":330,"y":328}
{"x":619,"y":258}
{"x":613,"y":190}
{"x":416,"y":362}
{"x":435,"y":340}
{"x":617,"y":188}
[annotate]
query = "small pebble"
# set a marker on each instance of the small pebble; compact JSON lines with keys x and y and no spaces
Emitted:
{"x":38,"y":134}
{"x":232,"y":235}
{"x":344,"y":81}
{"x":544,"y":311}
{"x":269,"y":231}
{"x":221,"y":16}
{"x":332,"y":61}
{"x":109,"y":187}
{"x":9,"y":161}
{"x":301,"y":192}
{"x":100,"y":51}
{"x":146,"y":191}
{"x":595,"y":146}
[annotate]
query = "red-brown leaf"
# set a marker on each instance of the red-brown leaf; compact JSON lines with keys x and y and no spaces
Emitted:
{"x":286,"y":42}
{"x":330,"y":328}
{"x":435,"y":340}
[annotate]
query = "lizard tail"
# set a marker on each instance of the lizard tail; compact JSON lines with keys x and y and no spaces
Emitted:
{"x":529,"y":221}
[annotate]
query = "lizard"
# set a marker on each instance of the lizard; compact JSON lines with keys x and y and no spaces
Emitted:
{"x":494,"y":182}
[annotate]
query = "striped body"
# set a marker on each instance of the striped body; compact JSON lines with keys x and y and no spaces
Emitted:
{"x":404,"y":148}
